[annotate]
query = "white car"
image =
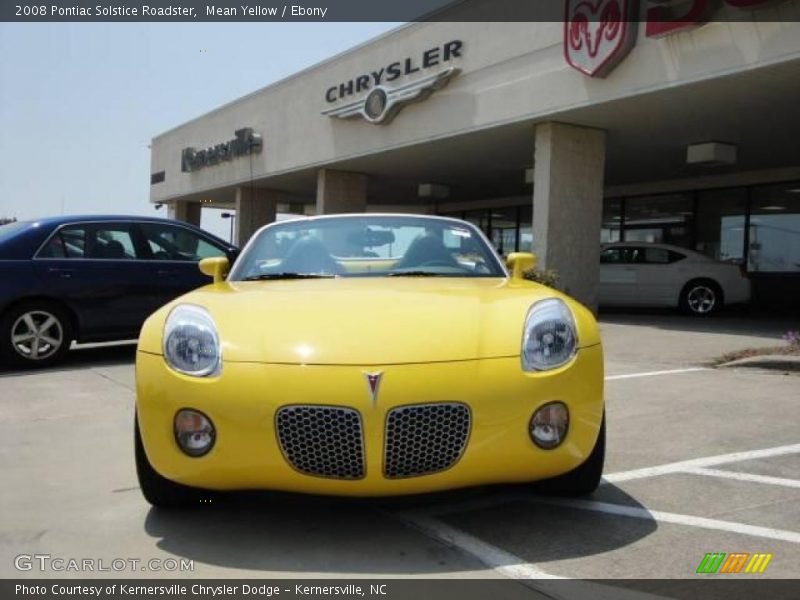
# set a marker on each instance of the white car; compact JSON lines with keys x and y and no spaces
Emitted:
{"x":640,"y":274}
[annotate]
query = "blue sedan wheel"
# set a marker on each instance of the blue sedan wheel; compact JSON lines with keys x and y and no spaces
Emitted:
{"x":36,"y":334}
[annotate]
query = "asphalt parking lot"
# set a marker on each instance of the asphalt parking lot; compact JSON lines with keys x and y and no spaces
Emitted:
{"x":699,"y":460}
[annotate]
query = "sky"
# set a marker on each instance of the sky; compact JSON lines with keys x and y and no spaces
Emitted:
{"x":80,"y":102}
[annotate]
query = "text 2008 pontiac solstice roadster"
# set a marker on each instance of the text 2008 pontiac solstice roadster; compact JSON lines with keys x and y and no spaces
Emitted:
{"x":368,"y":355}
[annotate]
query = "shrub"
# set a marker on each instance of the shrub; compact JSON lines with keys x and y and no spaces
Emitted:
{"x":546,"y":277}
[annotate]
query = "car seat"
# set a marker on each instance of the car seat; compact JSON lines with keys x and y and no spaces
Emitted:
{"x":309,"y":255}
{"x":426,"y":249}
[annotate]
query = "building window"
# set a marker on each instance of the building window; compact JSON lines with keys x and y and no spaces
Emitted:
{"x":774,"y":236}
{"x":526,"y":228}
{"x":612,"y":221}
{"x":720,"y":224}
{"x":479,"y":218}
{"x":666,"y":218}
{"x":504,"y":229}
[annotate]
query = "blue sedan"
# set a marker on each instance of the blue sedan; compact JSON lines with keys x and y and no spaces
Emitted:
{"x":92,"y":279}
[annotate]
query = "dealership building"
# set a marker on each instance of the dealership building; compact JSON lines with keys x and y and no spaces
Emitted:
{"x":550,"y":136}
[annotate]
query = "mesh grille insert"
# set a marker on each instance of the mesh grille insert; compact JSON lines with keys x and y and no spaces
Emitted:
{"x":425,"y":438}
{"x":322,"y":440}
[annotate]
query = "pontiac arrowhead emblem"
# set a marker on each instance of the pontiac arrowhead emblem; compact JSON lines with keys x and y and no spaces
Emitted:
{"x":382,"y":103}
{"x":373,"y":382}
{"x":598,"y":34}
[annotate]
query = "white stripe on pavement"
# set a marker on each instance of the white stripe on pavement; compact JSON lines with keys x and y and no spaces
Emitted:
{"x":792,"y":483}
{"x":510,"y":565}
{"x":656,"y":373}
{"x":674,"y":518}
{"x":709,"y":461}
{"x":503,"y":562}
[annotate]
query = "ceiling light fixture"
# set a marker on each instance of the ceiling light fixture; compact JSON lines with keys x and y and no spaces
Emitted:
{"x":711,"y":154}
{"x":433,"y":190}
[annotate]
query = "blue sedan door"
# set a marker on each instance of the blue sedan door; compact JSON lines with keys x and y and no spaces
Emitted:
{"x":96,"y":268}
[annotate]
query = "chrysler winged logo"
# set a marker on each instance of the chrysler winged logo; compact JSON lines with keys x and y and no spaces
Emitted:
{"x":382,"y":103}
{"x":598,"y":34}
{"x":373,"y":382}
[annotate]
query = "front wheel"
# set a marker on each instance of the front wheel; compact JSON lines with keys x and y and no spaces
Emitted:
{"x":582,"y":480}
{"x":701,"y":297}
{"x":157,"y":490}
{"x":35,"y":334}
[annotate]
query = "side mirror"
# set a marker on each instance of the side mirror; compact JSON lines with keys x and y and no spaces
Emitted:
{"x":519,"y":262}
{"x":216,"y":267}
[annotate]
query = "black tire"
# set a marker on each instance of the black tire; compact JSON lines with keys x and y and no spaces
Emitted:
{"x":701,"y":297}
{"x":582,"y":480}
{"x":45,"y":323}
{"x":160,"y":491}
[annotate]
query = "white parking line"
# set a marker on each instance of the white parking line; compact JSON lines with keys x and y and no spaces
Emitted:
{"x":697,"y":463}
{"x":792,"y":483}
{"x":674,"y":518}
{"x":511,"y":565}
{"x":656,"y":373}
{"x":505,"y":563}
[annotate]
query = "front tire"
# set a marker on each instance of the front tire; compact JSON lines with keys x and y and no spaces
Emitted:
{"x":701,"y":297}
{"x":584,"y":479}
{"x":35,"y":334}
{"x":160,"y":491}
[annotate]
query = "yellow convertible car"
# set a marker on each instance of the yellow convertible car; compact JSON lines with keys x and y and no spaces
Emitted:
{"x":368,"y":355}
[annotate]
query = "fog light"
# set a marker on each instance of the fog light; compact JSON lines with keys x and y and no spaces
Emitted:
{"x":194,"y":432}
{"x":549,"y":425}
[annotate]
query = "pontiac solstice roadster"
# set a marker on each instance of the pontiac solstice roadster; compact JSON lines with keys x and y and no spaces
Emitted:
{"x":368,"y":355}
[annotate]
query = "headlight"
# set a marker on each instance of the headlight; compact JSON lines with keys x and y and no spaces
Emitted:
{"x":549,"y":339}
{"x":191,"y":343}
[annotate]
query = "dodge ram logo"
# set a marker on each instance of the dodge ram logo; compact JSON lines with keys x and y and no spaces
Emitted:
{"x":598,"y":34}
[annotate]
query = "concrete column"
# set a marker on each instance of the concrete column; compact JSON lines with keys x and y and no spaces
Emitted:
{"x":255,"y":207}
{"x":185,"y":211}
{"x":340,"y":192}
{"x":569,"y":164}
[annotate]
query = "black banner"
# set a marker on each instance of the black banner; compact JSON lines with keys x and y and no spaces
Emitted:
{"x":381,"y":10}
{"x":397,"y":589}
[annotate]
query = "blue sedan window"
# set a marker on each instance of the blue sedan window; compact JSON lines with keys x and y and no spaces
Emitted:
{"x":65,"y":243}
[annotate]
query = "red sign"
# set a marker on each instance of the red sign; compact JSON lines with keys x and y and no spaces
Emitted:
{"x":598,"y":34}
{"x":663,"y":19}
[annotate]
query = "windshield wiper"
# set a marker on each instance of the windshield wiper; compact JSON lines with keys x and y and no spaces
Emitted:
{"x":414,"y":274}
{"x":272,"y":276}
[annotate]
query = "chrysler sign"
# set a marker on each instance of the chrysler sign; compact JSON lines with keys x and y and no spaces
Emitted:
{"x":246,"y":142}
{"x":378,"y":98}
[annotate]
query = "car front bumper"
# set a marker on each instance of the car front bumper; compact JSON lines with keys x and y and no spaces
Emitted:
{"x":243,"y":401}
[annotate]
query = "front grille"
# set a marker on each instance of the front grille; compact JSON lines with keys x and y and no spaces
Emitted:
{"x":326,"y":441}
{"x":424,"y":438}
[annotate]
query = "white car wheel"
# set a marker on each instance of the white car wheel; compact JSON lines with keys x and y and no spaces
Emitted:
{"x":701,"y":298}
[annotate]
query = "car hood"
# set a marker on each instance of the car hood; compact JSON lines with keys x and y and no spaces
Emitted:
{"x":368,"y":321}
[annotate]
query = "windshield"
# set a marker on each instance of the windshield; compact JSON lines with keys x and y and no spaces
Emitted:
{"x":368,"y":246}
